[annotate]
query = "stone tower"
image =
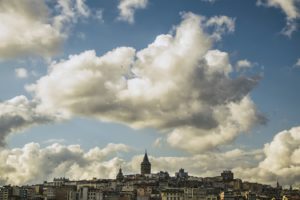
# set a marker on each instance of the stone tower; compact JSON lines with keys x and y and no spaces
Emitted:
{"x":145,"y":165}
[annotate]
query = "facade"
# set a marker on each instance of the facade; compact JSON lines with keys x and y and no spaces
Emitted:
{"x":227,"y":195}
{"x":181,"y":174}
{"x":87,"y":193}
{"x":145,"y":165}
{"x":211,"y":197}
{"x":5,"y":193}
{"x":227,"y":175}
{"x":144,"y":193}
{"x":172,"y":194}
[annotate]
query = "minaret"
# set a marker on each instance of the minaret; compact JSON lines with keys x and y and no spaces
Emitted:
{"x":278,"y":186}
{"x":120,"y":175}
{"x":145,"y":165}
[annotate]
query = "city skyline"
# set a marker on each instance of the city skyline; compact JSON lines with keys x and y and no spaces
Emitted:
{"x":151,"y":186}
{"x":205,"y":85}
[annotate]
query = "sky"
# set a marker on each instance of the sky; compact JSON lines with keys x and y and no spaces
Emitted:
{"x":206,"y":85}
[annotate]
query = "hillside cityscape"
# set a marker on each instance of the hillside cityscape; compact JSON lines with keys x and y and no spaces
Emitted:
{"x":150,"y":186}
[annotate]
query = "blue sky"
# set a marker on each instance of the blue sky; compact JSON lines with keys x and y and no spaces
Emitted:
{"x":245,"y":75}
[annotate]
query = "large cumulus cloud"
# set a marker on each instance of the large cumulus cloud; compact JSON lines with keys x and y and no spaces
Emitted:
{"x":278,"y":160}
{"x":202,"y":165}
{"x":20,"y":113}
{"x":179,"y":85}
{"x":31,"y":27}
{"x":72,"y":161}
{"x":282,"y":160}
{"x":34,"y":164}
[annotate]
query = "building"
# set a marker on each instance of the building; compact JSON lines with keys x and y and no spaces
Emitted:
{"x":227,"y":195}
{"x":5,"y":192}
{"x":58,"y":193}
{"x":194,"y":194}
{"x":172,"y":194}
{"x":227,"y":175}
{"x":181,"y":174}
{"x":144,"y":193}
{"x":145,"y":165}
{"x":88,"y":193}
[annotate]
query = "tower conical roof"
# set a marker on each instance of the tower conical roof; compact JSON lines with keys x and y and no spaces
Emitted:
{"x":145,"y":160}
{"x":145,"y":165}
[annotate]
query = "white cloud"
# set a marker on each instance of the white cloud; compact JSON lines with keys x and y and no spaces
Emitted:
{"x":222,"y":24}
{"x":28,"y":27}
{"x":82,"y":8}
{"x":209,"y":1}
{"x":16,"y":165}
{"x":279,"y":159}
{"x":72,"y":161}
{"x":54,"y":140}
{"x":289,"y":8}
{"x":99,"y":15}
{"x":202,"y":165}
{"x":243,"y":64}
{"x":21,"y":73}
{"x":70,"y":12}
{"x":290,"y":28}
{"x":297,"y":64}
{"x":178,"y":85}
{"x":282,"y":160}
{"x":18,"y":114}
{"x":158,"y":142}
{"x":127,"y":9}
{"x":281,"y":152}
{"x":217,"y":61}
{"x":231,"y":119}
{"x":81,"y":35}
